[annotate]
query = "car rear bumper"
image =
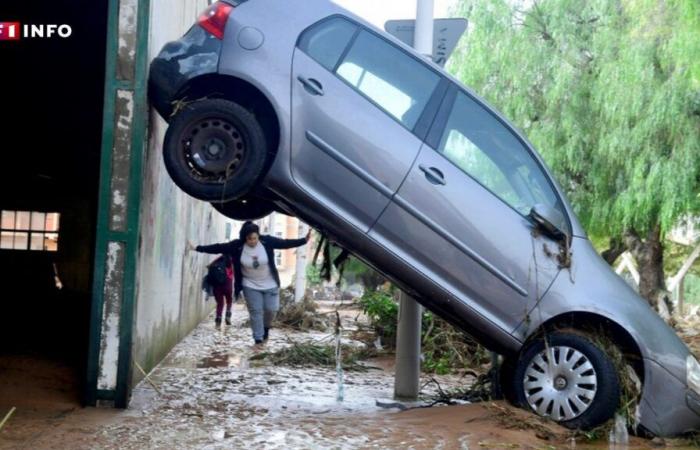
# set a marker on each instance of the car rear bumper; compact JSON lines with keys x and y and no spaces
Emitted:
{"x":196,"y":53}
{"x":668,"y":407}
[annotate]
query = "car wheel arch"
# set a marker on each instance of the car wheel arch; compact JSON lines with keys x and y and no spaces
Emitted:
{"x":242,"y":92}
{"x":590,"y":324}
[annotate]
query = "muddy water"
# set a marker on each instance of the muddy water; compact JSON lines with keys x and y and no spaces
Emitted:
{"x":212,"y":396}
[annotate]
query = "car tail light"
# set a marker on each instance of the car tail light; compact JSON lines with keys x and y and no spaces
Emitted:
{"x":214,"y":18}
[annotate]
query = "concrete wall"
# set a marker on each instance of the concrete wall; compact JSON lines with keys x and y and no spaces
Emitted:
{"x":169,"y":301}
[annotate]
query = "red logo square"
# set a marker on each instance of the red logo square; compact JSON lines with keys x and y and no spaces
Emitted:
{"x":10,"y":31}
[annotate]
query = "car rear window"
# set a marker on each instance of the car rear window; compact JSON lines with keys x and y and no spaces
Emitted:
{"x":392,"y":79}
{"x":326,"y":41}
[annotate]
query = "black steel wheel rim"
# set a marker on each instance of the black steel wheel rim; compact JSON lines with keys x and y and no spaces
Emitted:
{"x":214,"y":150}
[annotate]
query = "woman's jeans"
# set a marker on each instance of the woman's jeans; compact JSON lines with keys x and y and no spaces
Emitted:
{"x":262,"y":307}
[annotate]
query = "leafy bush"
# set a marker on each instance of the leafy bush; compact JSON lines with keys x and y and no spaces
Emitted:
{"x":383,"y":312}
{"x":313,"y":275}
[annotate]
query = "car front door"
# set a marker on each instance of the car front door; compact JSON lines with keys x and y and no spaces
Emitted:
{"x":461,"y":216}
{"x":358,"y":105}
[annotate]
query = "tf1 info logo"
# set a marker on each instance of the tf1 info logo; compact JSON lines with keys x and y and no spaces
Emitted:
{"x":13,"y":31}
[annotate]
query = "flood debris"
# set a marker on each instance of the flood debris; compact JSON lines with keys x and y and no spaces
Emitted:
{"x":630,"y":385}
{"x":446,"y":349}
{"x":513,"y":419}
{"x":302,"y":315}
{"x":7,"y":417}
{"x":147,"y":377}
{"x":314,"y":354}
{"x":688,"y":328}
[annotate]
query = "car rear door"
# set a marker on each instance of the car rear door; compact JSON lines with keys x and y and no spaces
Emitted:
{"x":359,"y":106}
{"x":461,"y":216}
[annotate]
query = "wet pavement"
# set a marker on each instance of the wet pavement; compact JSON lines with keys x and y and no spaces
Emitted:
{"x":211,"y":395}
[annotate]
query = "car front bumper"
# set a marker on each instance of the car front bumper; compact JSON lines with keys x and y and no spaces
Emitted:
{"x":668,"y":407}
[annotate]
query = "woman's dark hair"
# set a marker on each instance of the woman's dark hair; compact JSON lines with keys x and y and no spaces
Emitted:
{"x":247,"y":229}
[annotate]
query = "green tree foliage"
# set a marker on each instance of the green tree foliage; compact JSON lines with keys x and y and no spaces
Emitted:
{"x":608,"y":91}
{"x":313,"y":275}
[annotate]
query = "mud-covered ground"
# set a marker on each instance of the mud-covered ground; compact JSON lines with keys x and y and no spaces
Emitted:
{"x":208,"y":394}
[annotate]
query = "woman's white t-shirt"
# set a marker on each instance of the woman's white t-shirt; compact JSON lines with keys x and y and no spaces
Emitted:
{"x":256,"y":276}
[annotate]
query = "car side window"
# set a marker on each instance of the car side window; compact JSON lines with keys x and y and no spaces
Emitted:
{"x":393,"y":80}
{"x":483,"y":147}
{"x":326,"y":41}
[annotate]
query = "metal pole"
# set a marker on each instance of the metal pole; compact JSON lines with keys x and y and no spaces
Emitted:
{"x":423,"y":41}
{"x":407,"y":377}
{"x":681,"y":296}
{"x":300,"y":282}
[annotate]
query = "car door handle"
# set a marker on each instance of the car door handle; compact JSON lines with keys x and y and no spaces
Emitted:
{"x":433,"y":175}
{"x":311,"y":85}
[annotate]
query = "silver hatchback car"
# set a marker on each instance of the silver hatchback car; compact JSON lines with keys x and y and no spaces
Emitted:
{"x":302,"y":107}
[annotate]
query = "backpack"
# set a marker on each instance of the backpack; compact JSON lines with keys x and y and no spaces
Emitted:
{"x":216,"y":274}
{"x":207,"y":288}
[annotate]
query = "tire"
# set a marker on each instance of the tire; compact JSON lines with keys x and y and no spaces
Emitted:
{"x":506,"y":377}
{"x":589,"y":370}
{"x":246,"y":208}
{"x":214,"y":150}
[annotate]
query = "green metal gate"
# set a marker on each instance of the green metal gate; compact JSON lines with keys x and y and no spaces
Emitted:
{"x":124,"y":139}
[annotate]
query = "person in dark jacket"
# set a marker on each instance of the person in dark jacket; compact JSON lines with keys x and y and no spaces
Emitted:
{"x":255,"y":273}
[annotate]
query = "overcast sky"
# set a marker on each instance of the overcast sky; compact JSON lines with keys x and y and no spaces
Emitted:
{"x":379,"y":11}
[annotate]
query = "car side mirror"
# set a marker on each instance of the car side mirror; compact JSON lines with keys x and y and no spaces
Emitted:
{"x":549,"y":220}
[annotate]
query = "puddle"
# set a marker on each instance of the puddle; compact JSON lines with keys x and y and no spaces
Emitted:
{"x":220,"y":359}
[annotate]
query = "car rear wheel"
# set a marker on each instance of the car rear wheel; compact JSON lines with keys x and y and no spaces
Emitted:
{"x":214,"y":150}
{"x":570,"y":380}
{"x":246,"y":208}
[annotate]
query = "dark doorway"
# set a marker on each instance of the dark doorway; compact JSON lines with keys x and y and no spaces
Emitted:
{"x":52,"y":95}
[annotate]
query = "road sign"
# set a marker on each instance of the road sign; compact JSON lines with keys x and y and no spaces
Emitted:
{"x":447,"y":34}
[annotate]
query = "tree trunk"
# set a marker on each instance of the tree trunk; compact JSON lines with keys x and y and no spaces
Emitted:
{"x":371,"y":279}
{"x":616,"y":247}
{"x":649,"y":255}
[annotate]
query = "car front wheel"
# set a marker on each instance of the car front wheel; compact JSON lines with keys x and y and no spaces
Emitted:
{"x":569,"y":379}
{"x":214,"y":150}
